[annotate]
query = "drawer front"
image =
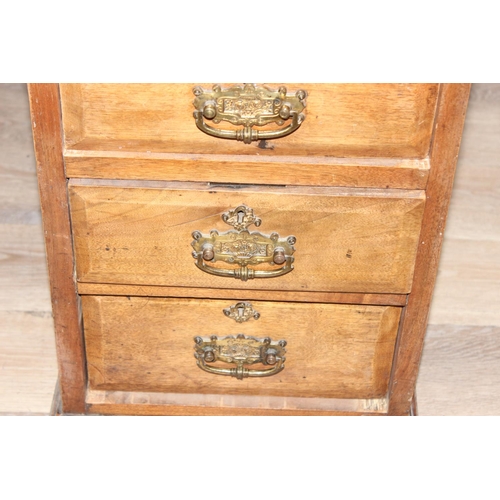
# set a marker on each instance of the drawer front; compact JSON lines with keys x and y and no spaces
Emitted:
{"x":363,"y":120}
{"x":346,"y":240}
{"x":147,"y":345}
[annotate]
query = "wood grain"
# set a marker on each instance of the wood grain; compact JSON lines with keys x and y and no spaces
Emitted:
{"x":146,"y":345}
{"x":468,"y":283}
{"x":459,"y":373}
{"x":347,"y":240}
{"x":47,"y":133}
{"x":23,"y":269}
{"x":476,"y":204}
{"x":142,"y":403}
{"x":480,"y":145}
{"x":399,"y":173}
{"x":19,"y":202}
{"x":203,"y":411}
{"x":381,"y":299}
{"x":28,"y":366}
{"x":27,"y":361}
{"x":467,"y":288}
{"x":391,"y":120}
{"x":444,"y":153}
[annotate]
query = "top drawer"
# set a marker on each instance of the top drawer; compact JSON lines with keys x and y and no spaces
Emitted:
{"x":341,"y":120}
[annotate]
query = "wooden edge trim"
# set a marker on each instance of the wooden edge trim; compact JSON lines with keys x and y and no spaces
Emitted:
{"x":47,"y":138}
{"x":382,"y":173}
{"x":433,"y":132}
{"x":148,"y":403}
{"x":150,"y":410}
{"x":448,"y":128}
{"x":376,"y":161}
{"x":383,"y":299}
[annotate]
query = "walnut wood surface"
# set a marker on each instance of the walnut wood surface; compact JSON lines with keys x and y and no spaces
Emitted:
{"x":47,"y":133}
{"x":400,"y":173}
{"x":444,"y":153}
{"x":388,"y":120}
{"x":368,"y":299}
{"x":146,"y":345}
{"x":348,"y":240}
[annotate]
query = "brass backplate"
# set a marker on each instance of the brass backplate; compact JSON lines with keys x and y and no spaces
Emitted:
{"x":248,"y":106}
{"x":240,"y":351}
{"x":243,"y":248}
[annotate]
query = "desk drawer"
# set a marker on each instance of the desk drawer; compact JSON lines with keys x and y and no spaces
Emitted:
{"x":361,"y":120}
{"x":347,"y":240}
{"x":147,"y":345}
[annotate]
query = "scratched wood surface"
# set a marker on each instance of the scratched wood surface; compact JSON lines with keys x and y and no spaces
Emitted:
{"x":147,"y":132}
{"x":399,"y":173}
{"x":47,"y":132}
{"x":460,"y":370}
{"x":144,"y":344}
{"x":159,"y":118}
{"x":443,"y":156}
{"x":131,"y":233}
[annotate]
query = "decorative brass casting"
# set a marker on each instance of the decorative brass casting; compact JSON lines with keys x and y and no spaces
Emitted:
{"x":248,"y":106}
{"x":243,"y":248}
{"x":241,"y":217}
{"x":240,"y":350}
{"x":241,"y":312}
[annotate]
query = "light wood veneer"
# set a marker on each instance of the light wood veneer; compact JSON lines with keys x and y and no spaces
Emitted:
{"x":379,"y":162}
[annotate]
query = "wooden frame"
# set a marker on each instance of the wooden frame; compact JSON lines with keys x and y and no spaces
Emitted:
{"x":47,"y":135}
{"x":47,"y":138}
{"x":448,"y":126}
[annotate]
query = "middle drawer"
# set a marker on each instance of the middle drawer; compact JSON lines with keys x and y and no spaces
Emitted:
{"x":347,"y":240}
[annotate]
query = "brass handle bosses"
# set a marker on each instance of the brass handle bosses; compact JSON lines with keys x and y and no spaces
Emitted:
{"x":248,"y":106}
{"x":240,"y":351}
{"x":241,"y":247}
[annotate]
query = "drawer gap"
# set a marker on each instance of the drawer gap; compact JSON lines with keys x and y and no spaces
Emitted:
{"x":224,"y":185}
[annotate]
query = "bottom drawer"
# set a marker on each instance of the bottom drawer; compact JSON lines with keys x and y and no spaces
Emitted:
{"x":147,"y":345}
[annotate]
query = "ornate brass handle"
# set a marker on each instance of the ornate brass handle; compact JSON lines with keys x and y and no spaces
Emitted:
{"x":249,"y":107}
{"x":240,"y":350}
{"x":243,"y":248}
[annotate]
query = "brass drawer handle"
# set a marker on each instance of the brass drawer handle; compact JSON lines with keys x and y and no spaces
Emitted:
{"x":243,"y":248}
{"x":249,"y":107}
{"x":241,"y":312}
{"x":240,"y":350}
